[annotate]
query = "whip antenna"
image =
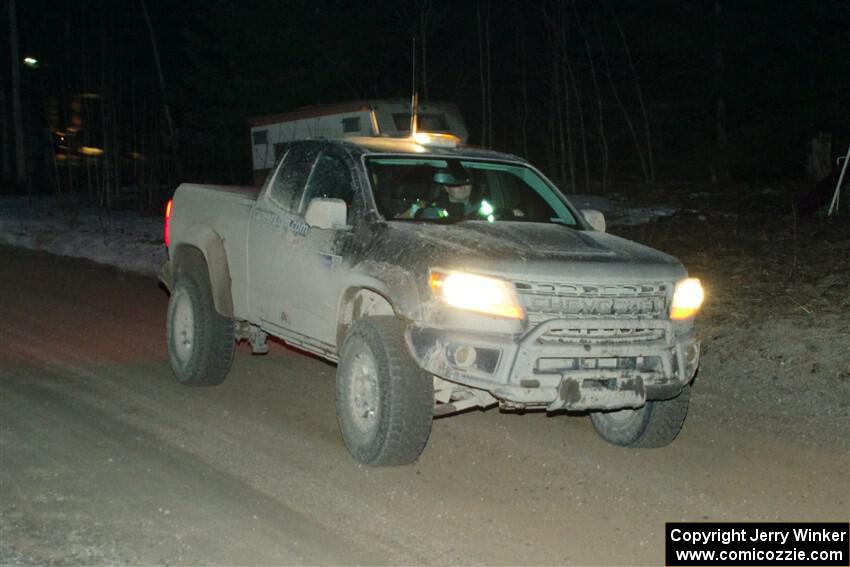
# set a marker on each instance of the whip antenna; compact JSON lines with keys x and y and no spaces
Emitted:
{"x":414,"y":99}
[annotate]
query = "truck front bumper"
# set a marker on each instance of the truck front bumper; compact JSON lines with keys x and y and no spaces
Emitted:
{"x":565,"y":364}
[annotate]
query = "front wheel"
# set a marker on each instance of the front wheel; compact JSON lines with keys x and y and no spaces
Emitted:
{"x":200,"y":340}
{"x":384,"y":401}
{"x":656,"y":424}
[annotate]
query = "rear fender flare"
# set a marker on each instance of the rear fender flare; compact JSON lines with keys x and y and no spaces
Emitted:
{"x":211,"y":247}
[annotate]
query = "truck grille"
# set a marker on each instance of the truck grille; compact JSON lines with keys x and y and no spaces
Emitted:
{"x":627,"y":303}
{"x":627,"y":335}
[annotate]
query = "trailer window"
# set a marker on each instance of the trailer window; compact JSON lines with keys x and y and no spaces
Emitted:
{"x":351,"y":124}
{"x":424,"y":122}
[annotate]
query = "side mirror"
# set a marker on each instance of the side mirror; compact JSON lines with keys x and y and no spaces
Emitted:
{"x":595,"y":218}
{"x":327,"y":213}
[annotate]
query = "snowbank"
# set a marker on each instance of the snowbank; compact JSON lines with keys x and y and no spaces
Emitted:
{"x":123,"y":239}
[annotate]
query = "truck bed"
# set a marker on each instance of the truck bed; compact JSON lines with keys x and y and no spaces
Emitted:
{"x":202,"y":212}
{"x":243,"y":191}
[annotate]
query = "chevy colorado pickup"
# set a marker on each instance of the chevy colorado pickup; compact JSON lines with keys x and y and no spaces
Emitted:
{"x":438,"y":278}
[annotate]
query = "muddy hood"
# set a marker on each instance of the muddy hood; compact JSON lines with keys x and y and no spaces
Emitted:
{"x":529,"y":251}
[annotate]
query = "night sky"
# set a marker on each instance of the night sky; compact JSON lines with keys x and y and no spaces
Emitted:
{"x":593,"y":92}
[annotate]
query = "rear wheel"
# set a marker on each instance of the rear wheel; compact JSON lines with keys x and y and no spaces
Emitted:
{"x":201,"y":342}
{"x":384,"y":402}
{"x":656,"y":424}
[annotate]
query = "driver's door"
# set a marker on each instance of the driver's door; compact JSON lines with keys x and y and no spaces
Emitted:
{"x":275,"y":230}
{"x":318,"y":259}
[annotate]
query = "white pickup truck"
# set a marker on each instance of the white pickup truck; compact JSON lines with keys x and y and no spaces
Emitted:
{"x":439,"y":278}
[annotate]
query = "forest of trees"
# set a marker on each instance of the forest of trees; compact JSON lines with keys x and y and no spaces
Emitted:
{"x":134,"y":97}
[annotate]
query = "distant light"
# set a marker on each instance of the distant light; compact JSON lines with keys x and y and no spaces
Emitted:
{"x":90,"y":151}
{"x":31,"y":62}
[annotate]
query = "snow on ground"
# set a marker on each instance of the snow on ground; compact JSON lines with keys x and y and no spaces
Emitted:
{"x":619,"y":212}
{"x":132,"y":242}
{"x":124,"y":239}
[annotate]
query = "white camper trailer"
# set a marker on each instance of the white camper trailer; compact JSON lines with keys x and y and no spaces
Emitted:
{"x":390,"y":118}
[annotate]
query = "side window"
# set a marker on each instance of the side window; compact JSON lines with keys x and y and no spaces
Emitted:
{"x":331,"y":178}
{"x":288,"y":185}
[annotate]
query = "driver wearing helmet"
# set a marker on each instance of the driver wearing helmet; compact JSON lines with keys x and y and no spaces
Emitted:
{"x":452,"y":200}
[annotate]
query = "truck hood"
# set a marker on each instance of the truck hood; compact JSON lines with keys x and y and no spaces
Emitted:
{"x":521,"y":250}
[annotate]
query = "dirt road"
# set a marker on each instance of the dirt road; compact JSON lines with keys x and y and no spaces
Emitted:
{"x":104,"y":458}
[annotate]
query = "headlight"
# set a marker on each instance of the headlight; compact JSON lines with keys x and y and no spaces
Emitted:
{"x":476,"y":293}
{"x":686,"y":299}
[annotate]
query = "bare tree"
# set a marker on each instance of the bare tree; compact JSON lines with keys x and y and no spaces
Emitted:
{"x":581,"y":130}
{"x":63,"y":93}
{"x":646,"y":128}
{"x":155,"y":50}
{"x":484,"y":72}
{"x":603,"y":140}
{"x":556,"y":36}
{"x":421,"y":19}
{"x":626,"y":116}
{"x":523,"y":118}
{"x":720,"y":168}
{"x":571,"y":84}
{"x":424,"y":8}
{"x":109,"y":187}
{"x":566,"y":77}
{"x":5,"y":147}
{"x":21,"y":177}
{"x":490,"y":126}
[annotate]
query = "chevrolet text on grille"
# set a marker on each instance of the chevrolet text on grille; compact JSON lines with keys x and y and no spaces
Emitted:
{"x":597,"y":306}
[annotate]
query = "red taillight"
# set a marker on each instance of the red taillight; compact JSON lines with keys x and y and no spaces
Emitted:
{"x":167,"y":222}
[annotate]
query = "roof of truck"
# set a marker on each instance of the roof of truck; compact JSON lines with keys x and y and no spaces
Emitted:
{"x":381,"y":145}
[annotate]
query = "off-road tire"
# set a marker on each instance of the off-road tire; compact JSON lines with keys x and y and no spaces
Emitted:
{"x":654,"y":425}
{"x":401,"y":394}
{"x":208,"y":357}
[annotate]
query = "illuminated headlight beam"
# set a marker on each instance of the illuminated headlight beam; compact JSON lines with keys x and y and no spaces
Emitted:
{"x":687,"y":299}
{"x":474,"y":292}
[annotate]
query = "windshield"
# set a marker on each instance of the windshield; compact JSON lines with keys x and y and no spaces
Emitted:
{"x":454,"y":190}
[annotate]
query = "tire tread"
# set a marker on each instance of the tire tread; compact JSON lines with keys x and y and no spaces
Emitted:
{"x":659,"y":423}
{"x":410,"y":406}
{"x":214,"y":335}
